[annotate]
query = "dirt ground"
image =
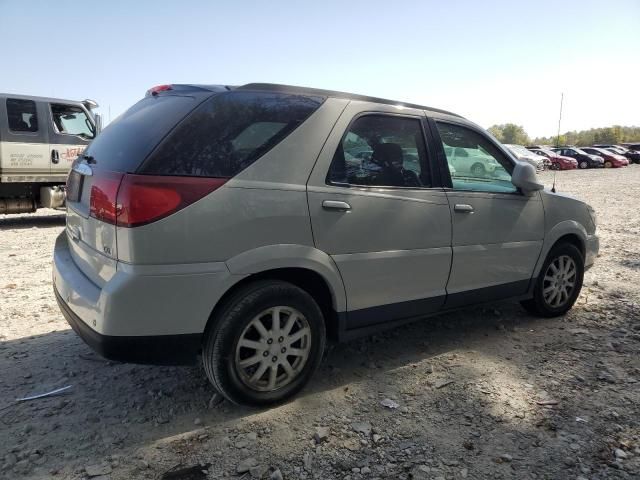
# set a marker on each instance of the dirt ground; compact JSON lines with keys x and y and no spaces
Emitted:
{"x":488,"y":392}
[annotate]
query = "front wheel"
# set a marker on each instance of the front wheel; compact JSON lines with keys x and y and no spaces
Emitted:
{"x":583,"y":164}
{"x":265,"y":343}
{"x":559,"y":283}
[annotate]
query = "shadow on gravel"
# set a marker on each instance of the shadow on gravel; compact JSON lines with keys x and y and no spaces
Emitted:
{"x":114,"y":406}
{"x":24,"y":221}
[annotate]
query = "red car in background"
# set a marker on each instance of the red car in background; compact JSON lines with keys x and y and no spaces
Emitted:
{"x":558,"y":162}
{"x":610,"y":159}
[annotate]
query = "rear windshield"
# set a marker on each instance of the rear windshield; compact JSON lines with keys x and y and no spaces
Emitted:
{"x":127,"y":141}
{"x":229,"y":132}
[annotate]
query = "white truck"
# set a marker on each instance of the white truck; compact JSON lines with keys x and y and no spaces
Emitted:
{"x":39,"y":140}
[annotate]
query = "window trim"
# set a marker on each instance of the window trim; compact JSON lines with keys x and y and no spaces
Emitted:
{"x":442,"y":157}
{"x":435,"y":183}
{"x":22,"y":132}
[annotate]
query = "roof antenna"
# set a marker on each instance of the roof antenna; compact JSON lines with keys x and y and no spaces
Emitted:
{"x":553,"y":188}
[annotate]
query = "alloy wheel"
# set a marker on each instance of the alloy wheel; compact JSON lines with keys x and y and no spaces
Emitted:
{"x":583,"y":164}
{"x":477,"y":170}
{"x":559,"y":281}
{"x":273,"y":348}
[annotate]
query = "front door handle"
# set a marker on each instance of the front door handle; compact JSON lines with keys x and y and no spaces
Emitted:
{"x":55,"y":156}
{"x":463,"y":208}
{"x":335,"y":205}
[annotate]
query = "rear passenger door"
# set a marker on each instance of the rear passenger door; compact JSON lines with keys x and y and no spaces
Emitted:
{"x":497,"y":230}
{"x":377,"y":208}
{"x":24,"y":150}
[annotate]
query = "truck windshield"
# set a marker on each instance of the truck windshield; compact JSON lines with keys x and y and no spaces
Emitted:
{"x":72,"y":120}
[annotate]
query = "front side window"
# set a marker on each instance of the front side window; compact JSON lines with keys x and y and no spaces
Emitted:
{"x":381,"y":151}
{"x":22,"y":115}
{"x":474,"y":162}
{"x":72,"y":120}
{"x":229,"y":132}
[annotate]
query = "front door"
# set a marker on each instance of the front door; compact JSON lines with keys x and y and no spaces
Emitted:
{"x":497,"y":230}
{"x":24,"y":151}
{"x":70,"y":131}
{"x":378,"y":212}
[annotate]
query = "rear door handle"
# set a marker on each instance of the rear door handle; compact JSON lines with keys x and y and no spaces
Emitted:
{"x":463,"y":208}
{"x":335,"y":205}
{"x":55,"y":156}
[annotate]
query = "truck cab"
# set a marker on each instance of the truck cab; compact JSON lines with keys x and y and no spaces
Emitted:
{"x":39,"y":140}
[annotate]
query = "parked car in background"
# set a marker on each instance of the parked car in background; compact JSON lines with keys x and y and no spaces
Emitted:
{"x":39,"y":139}
{"x":539,"y":162}
{"x":633,"y":146}
{"x":558,"y":162}
{"x":611,"y":160}
{"x":470,"y":161}
{"x":631,"y":155}
{"x":222,"y":223}
{"x":584,"y":159}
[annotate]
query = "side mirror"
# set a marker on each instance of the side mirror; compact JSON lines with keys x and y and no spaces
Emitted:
{"x":98,"y":119}
{"x":524,"y":177}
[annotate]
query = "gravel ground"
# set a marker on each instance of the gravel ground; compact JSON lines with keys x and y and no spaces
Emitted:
{"x":488,"y":392}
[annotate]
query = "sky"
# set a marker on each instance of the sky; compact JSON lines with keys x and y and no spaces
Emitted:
{"x":490,"y":61}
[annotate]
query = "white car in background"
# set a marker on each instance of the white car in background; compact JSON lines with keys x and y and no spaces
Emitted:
{"x":470,"y":161}
{"x":524,"y":155}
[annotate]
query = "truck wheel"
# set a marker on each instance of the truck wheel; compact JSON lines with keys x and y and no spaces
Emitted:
{"x":559,"y":283}
{"x":265,"y":343}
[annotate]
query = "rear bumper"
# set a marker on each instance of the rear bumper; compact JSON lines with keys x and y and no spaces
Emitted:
{"x":141,"y":314}
{"x":156,"y":350}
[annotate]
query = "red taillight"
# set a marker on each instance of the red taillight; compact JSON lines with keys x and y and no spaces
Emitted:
{"x":134,"y":200}
{"x":158,"y":88}
{"x":104,"y":193}
{"x":144,"y":198}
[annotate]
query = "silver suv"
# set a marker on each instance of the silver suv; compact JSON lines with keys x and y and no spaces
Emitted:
{"x":246,"y":225}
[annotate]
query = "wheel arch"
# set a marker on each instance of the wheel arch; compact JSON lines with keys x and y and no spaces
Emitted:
{"x":568,"y":231}
{"x":305,"y":267}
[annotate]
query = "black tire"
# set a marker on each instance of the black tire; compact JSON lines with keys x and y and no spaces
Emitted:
{"x":583,"y":164}
{"x":538,"y":305}
{"x":231,"y":320}
{"x":478,"y":170}
{"x":608,"y":164}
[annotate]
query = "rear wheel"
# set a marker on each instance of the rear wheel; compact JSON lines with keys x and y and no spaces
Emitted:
{"x":583,"y":164}
{"x":265,"y":343}
{"x":608,"y":164}
{"x":559,"y":282}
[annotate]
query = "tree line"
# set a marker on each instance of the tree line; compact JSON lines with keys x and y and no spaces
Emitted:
{"x":516,"y":134}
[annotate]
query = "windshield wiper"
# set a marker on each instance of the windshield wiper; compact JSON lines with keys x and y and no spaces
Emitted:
{"x":89,"y":158}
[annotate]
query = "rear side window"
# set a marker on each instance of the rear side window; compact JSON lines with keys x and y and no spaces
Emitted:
{"x":124,"y":144}
{"x":22,"y":115}
{"x":381,"y":151}
{"x":229,"y":132}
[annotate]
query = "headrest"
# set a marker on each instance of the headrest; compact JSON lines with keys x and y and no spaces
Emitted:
{"x":389,"y":153}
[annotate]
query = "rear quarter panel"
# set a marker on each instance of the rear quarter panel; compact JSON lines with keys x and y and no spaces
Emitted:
{"x":265,"y":204}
